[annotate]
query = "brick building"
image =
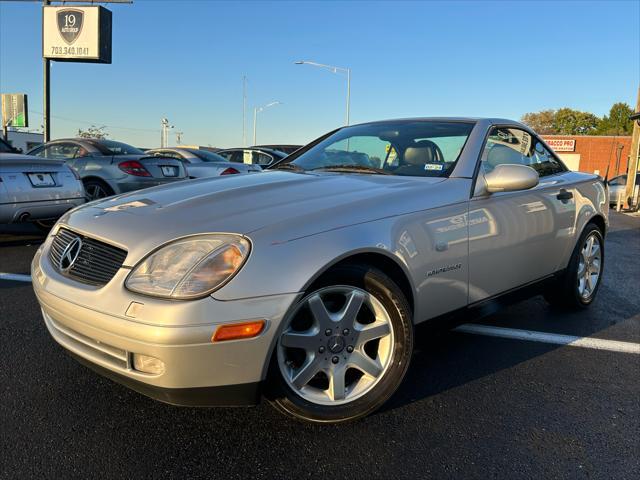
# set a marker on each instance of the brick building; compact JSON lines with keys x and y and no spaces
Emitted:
{"x":592,"y":154}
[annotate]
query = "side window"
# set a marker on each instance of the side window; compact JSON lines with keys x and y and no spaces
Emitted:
{"x":60,"y":151}
{"x":618,"y":181}
{"x":506,"y":146}
{"x":515,"y":146}
{"x":261,"y":159}
{"x":170,"y":154}
{"x":544,"y":162}
{"x":38,"y":152}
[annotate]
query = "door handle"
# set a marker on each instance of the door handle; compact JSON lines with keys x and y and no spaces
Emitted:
{"x":564,"y":195}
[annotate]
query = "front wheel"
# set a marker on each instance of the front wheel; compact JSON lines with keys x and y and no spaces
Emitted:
{"x":578,"y":286}
{"x":345,"y":347}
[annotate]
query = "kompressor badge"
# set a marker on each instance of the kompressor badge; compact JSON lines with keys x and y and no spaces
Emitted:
{"x":70,"y":24}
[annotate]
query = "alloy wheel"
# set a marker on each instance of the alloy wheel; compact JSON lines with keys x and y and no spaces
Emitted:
{"x":95,"y":191}
{"x":589,"y":266}
{"x":337,"y":346}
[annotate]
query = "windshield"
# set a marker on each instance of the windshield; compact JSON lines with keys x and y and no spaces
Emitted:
{"x":414,"y":148}
{"x":206,"y":156}
{"x":110,"y":147}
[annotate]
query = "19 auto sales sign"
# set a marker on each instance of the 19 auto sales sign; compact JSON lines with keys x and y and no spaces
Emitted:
{"x":76,"y":34}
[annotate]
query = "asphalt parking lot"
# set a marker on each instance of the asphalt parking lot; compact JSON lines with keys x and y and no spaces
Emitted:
{"x":472,"y":406}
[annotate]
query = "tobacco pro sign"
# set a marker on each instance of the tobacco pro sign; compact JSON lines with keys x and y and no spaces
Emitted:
{"x":76,"y":34}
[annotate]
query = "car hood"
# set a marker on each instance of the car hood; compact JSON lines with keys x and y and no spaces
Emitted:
{"x":284,"y":204}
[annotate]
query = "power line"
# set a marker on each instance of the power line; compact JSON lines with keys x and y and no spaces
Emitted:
{"x":75,"y":120}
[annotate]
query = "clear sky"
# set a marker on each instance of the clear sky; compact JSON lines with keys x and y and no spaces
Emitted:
{"x":185,"y":60}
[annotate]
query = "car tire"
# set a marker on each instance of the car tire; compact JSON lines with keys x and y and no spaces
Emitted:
{"x":570,"y":289}
{"x":95,"y":189}
{"x":382,"y":302}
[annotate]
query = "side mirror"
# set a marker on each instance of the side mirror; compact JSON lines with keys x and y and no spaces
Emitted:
{"x":511,"y":177}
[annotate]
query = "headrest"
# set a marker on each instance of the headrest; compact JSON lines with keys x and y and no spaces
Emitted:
{"x":501,"y":155}
{"x":421,"y":153}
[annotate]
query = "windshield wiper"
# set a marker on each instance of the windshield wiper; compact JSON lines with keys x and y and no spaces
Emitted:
{"x":353,"y":168}
{"x":287,"y":166}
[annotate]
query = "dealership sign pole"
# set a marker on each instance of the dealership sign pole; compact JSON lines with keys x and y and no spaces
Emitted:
{"x":73,"y":34}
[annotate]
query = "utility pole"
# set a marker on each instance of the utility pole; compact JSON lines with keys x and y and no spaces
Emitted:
{"x":179,"y":137}
{"x":244,"y":110}
{"x":634,"y":153}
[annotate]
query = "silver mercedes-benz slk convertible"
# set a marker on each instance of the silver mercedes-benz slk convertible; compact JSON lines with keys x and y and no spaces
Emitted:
{"x":305,"y":283}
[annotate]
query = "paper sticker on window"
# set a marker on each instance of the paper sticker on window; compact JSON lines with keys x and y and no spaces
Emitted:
{"x":433,"y":166}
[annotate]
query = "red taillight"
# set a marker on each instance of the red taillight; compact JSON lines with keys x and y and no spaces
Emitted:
{"x":133,"y":167}
{"x":229,"y":171}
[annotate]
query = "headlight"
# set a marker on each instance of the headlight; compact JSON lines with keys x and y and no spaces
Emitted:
{"x":189,"y":268}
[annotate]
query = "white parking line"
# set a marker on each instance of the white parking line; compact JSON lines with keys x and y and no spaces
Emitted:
{"x":16,"y":277}
{"x":555,"y":338}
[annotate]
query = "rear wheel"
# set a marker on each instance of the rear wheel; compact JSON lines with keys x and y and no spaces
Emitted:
{"x":578,"y":286}
{"x":95,"y":189}
{"x":345,"y":347}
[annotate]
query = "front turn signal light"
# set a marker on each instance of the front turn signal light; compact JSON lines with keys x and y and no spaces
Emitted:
{"x":238,"y":331}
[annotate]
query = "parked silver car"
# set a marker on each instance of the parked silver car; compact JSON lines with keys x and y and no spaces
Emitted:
{"x":618,"y":186}
{"x":305,"y":282}
{"x":252,"y":155}
{"x":35,"y":190}
{"x":202,"y":163}
{"x":107,"y":167}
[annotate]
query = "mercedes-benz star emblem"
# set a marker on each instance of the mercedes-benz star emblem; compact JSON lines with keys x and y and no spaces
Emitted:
{"x":336,"y":344}
{"x":70,"y":254}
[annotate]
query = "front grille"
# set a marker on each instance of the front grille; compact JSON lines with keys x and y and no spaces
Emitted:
{"x":97,"y":261}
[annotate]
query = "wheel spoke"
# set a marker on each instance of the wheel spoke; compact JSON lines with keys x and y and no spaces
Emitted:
{"x":582,"y":268}
{"x":305,"y":373}
{"x":588,"y":284}
{"x":589,"y":245}
{"x":372,"y":331}
{"x":366,"y":364}
{"x":305,"y":341}
{"x":337,"y":390}
{"x":595,"y":251}
{"x":318,"y":310}
{"x":353,"y":305}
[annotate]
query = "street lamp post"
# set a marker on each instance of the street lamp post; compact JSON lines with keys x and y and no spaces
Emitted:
{"x":334,"y":69}
{"x":257,"y":110}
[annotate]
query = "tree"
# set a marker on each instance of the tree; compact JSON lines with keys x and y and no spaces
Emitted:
{"x":93,"y":132}
{"x":574,"y":122}
{"x":541,"y":122}
{"x":617,"y":122}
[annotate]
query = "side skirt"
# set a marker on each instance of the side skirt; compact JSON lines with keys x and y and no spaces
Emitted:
{"x":492,"y":304}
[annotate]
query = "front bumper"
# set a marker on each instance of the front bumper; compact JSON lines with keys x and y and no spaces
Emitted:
{"x":197,"y":372}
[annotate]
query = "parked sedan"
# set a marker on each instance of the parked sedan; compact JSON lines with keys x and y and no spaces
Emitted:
{"x":305,"y":282}
{"x":36,"y":190}
{"x":202,"y":163}
{"x":252,"y":155}
{"x":107,"y":167}
{"x":618,"y":185}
